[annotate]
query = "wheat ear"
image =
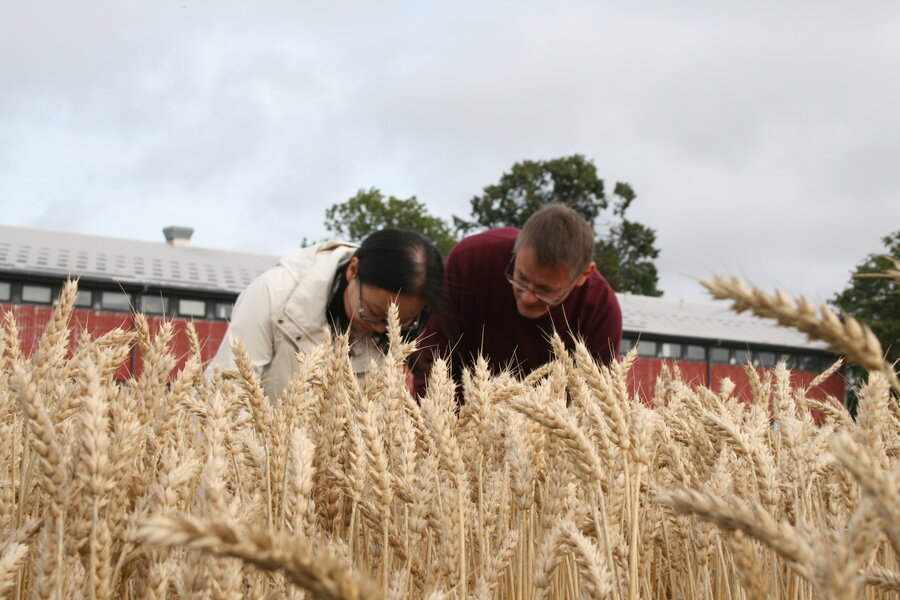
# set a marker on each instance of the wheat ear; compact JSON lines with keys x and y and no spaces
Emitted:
{"x":753,"y":520}
{"x":883,"y":578}
{"x":10,"y":561}
{"x":10,"y":344}
{"x":893,"y":273}
{"x":848,"y":337}
{"x":314,"y":567}
{"x":879,"y":484}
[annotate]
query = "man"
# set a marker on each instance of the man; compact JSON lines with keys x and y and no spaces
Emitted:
{"x":506,"y":291}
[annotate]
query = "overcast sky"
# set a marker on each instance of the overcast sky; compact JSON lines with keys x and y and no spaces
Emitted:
{"x":762,"y":138}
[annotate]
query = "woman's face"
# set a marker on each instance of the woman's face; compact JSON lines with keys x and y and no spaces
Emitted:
{"x":367,"y":305}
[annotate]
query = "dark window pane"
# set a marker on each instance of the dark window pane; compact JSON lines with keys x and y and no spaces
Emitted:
{"x":5,"y":291}
{"x":766,"y":359}
{"x":223,"y":310}
{"x":695,"y":352}
{"x":191,"y":308}
{"x":41,"y":294}
{"x":84,"y":299}
{"x":646,"y":348}
{"x":789,"y":360}
{"x":153,"y":304}
{"x":809,"y":362}
{"x":669,"y":350}
{"x":115,"y":301}
{"x":741,"y":357}
{"x":719,"y":355}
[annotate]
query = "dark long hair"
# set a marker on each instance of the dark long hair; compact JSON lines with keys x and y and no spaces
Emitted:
{"x":400,"y":261}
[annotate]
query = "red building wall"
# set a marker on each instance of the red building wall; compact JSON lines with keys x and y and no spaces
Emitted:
{"x":31,"y":320}
{"x":642,"y":378}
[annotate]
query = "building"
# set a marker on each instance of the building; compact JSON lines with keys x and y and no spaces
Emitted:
{"x":175,"y":280}
{"x":170,"y":279}
{"x":709,"y":342}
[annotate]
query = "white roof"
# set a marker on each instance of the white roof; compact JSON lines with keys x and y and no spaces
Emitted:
{"x":62,"y":254}
{"x":705,"y":321}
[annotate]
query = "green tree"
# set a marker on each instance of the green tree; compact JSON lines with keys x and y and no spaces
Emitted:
{"x":531,"y":184}
{"x":626,"y":249}
{"x":873,"y":296}
{"x":625,"y":254}
{"x":370,"y":211}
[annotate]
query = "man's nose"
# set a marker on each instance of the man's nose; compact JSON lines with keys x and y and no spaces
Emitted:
{"x":528,"y":297}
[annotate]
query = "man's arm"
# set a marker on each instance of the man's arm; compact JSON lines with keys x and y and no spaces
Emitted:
{"x":430,"y":344}
{"x":604,"y":333}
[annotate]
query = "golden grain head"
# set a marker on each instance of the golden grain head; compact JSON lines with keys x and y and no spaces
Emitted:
{"x":557,"y":486}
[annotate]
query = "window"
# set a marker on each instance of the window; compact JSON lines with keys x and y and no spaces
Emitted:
{"x":695,"y":352}
{"x":115,"y":301}
{"x":741,"y":357}
{"x":626,"y":345}
{"x":41,"y":294}
{"x":223,"y":310}
{"x":5,"y":291}
{"x":646,"y":348}
{"x":84,"y":299}
{"x":789,"y":360}
{"x":719,"y":355}
{"x":191,"y":308}
{"x":766,"y":359}
{"x":809,"y":362}
{"x":153,"y":304}
{"x":669,"y":350}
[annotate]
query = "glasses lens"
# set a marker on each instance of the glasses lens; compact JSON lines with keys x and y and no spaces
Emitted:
{"x":410,"y":324}
{"x":546,"y":299}
{"x":508,"y":273}
{"x":359,"y":307}
{"x":539,"y":295}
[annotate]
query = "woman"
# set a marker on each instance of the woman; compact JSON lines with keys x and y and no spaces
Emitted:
{"x":336,"y":285}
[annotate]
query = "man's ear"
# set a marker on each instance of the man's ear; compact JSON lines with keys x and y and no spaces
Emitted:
{"x":352,"y":269}
{"x":586,"y":273}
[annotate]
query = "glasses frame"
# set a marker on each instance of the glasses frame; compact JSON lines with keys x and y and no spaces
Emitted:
{"x":546,"y":299}
{"x":411,"y":325}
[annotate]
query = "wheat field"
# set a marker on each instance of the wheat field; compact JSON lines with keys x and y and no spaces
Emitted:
{"x":561,"y":485}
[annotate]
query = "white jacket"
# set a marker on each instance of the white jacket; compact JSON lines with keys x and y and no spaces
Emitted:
{"x":283,"y":312}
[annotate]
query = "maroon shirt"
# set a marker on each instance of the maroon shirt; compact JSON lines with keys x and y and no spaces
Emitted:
{"x":477,"y":313}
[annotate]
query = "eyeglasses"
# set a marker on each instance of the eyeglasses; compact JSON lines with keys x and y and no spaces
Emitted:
{"x":410,"y":324}
{"x":542,"y":296}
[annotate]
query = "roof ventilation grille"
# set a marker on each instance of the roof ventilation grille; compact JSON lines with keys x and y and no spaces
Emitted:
{"x":177,"y":236}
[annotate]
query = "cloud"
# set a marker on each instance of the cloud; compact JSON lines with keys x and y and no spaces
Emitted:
{"x":760,"y":137}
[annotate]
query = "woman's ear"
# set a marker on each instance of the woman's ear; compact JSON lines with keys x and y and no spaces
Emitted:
{"x":352,"y":268}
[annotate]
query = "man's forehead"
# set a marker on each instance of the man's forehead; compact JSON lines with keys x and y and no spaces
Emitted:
{"x":533,"y":259}
{"x":546,"y":275}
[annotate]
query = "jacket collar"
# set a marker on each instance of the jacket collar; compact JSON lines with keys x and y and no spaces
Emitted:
{"x":314,"y":270}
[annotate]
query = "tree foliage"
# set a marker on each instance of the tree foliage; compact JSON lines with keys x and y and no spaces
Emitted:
{"x":873,"y":296}
{"x":625,"y":250}
{"x":626,"y":253}
{"x":531,"y":184}
{"x":370,"y":211}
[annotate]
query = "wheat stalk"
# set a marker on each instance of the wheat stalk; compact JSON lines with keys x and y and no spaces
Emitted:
{"x":539,"y":487}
